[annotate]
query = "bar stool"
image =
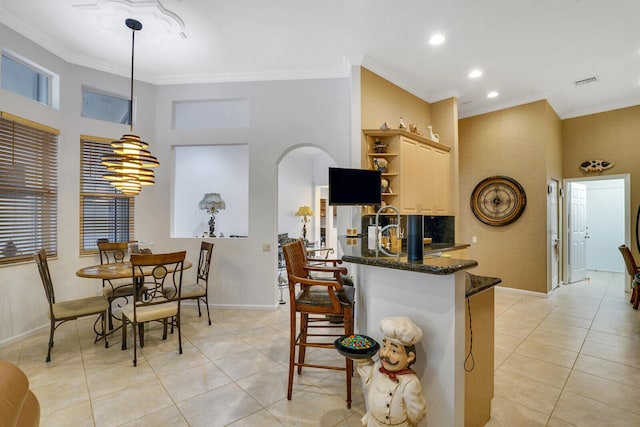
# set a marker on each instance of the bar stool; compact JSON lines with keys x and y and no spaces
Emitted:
{"x":314,"y":301}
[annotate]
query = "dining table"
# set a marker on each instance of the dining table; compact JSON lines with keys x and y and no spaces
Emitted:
{"x":119,"y":270}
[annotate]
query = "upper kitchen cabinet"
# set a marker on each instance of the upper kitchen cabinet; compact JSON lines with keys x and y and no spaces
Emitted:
{"x":415,"y":171}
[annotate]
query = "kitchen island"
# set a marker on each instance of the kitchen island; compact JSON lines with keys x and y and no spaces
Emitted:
{"x":434,"y":293}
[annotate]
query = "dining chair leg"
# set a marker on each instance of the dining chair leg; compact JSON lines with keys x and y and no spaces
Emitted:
{"x":135,"y":344}
{"x":141,"y":334}
{"x":206,"y":304}
{"x":104,"y":328}
{"x":165,"y":325}
{"x":53,"y":323}
{"x":110,"y":317}
{"x":179,"y":333}
{"x":124,"y":333}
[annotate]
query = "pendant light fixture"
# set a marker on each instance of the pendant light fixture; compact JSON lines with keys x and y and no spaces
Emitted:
{"x":129,"y":167}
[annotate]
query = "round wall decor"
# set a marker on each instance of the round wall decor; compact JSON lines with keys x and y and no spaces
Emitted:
{"x":498,"y":200}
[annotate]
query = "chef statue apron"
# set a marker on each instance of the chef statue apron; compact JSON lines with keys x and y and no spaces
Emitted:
{"x":394,"y":392}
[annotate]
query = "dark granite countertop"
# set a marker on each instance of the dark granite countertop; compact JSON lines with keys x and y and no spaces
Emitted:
{"x":476,"y":284}
{"x":355,"y":251}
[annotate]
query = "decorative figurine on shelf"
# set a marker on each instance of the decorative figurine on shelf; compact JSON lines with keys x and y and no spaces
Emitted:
{"x":394,"y":392}
{"x":379,"y":146}
{"x":380,"y":164}
{"x":433,"y":136}
{"x":414,"y":129}
{"x":385,"y":126}
{"x":212,"y":203}
{"x":384,"y":185}
{"x":402,"y":125}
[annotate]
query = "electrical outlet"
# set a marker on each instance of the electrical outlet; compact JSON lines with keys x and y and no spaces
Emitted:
{"x":266,"y":247}
{"x":474,"y":239}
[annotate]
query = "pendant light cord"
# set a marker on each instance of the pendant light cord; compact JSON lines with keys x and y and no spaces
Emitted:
{"x":133,"y":44}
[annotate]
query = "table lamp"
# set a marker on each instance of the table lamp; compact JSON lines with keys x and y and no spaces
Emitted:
{"x":304,"y":212}
{"x":212,"y":203}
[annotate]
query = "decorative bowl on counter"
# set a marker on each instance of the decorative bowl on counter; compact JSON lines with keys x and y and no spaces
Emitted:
{"x":356,"y":346}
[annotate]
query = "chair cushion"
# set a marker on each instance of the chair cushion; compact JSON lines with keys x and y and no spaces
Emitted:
{"x":151,"y":312}
{"x":315,"y":297}
{"x":79,"y":307}
{"x":117,"y":291}
{"x":195,"y":290}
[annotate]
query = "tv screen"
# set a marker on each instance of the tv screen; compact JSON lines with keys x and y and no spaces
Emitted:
{"x":354,"y":187}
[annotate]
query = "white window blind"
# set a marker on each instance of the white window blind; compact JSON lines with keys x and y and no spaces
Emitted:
{"x":105,"y":213}
{"x":28,"y":189}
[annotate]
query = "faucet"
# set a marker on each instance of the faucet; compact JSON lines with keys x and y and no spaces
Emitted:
{"x":379,"y":232}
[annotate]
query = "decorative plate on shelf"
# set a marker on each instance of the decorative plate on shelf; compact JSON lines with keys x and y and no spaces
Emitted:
{"x":356,"y":346}
{"x":498,"y":200}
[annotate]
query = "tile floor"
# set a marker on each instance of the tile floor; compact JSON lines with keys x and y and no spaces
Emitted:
{"x":569,"y":359}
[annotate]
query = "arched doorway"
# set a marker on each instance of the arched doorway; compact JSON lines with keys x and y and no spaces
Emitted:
{"x":303,"y":181}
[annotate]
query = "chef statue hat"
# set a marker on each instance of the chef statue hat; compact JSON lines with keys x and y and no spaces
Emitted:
{"x":400,"y":330}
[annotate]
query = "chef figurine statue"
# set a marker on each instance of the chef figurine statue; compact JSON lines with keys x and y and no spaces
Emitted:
{"x":393,"y":390}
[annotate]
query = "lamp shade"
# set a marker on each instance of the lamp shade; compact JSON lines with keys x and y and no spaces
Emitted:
{"x":212,"y":202}
{"x":304,"y":211}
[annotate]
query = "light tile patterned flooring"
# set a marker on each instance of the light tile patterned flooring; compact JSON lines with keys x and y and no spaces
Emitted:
{"x":569,"y":359}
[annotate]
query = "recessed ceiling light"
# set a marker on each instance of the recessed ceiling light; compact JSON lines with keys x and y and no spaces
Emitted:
{"x":436,"y":39}
{"x":492,"y":94}
{"x":474,"y":74}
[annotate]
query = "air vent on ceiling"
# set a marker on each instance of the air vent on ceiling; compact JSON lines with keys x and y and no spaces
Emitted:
{"x":587,"y":81}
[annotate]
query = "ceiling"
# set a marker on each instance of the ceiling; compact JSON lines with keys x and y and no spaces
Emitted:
{"x":527,"y":49}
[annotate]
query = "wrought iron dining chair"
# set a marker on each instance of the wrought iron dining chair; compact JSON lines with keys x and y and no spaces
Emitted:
{"x":313,"y":300}
{"x":165,"y":272}
{"x":113,"y":289}
{"x":61,"y":312}
{"x":198,"y":290}
{"x":632,"y":270}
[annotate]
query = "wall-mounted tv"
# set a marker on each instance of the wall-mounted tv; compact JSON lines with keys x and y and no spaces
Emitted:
{"x":354,"y":187}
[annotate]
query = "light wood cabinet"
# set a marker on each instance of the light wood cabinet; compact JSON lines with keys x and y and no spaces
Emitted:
{"x":418,"y":171}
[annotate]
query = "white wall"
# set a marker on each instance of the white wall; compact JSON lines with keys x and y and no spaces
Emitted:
{"x":299,"y":172}
{"x":284,"y":115}
{"x":203,"y":169}
{"x":605,"y":224}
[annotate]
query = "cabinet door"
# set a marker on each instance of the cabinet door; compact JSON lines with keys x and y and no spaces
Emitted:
{"x":411,"y":176}
{"x":441,"y":182}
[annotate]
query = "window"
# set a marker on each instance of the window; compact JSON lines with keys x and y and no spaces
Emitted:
{"x":105,"y":213}
{"x":103,"y":106}
{"x":28,"y":189}
{"x":25,"y":79}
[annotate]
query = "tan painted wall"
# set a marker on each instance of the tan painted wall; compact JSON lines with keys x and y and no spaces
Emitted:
{"x":613,"y":136}
{"x":521,"y":142}
{"x":382,"y":101}
{"x":444,"y":116}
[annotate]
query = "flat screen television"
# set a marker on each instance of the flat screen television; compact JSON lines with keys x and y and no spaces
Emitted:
{"x":354,"y":187}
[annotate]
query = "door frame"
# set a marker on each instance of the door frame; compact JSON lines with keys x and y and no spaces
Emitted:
{"x":565,"y":215}
{"x":557,"y":195}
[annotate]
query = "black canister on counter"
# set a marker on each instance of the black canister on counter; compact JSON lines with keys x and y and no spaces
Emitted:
{"x":415,"y":243}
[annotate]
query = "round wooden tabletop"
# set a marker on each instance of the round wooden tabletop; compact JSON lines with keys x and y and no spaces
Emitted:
{"x":121,"y":270}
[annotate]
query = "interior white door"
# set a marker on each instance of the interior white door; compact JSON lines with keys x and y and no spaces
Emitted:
{"x":554,"y":235}
{"x":577,"y":232}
